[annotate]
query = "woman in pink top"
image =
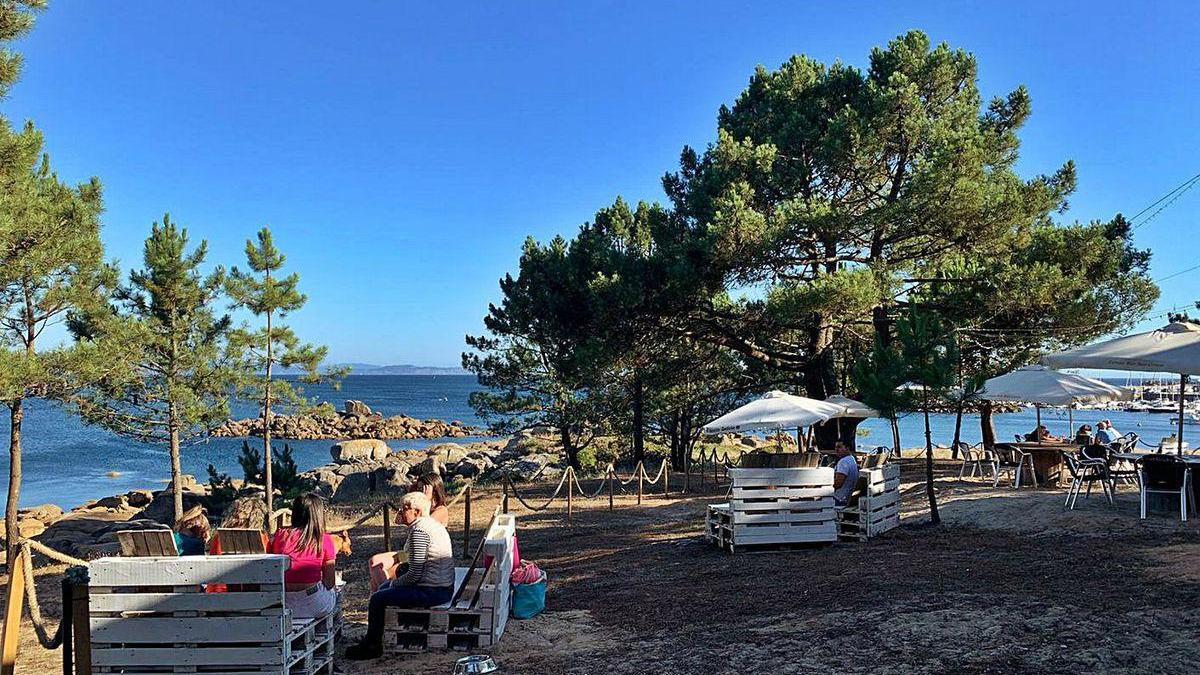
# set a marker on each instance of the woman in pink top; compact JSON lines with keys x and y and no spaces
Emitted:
{"x":310,"y":580}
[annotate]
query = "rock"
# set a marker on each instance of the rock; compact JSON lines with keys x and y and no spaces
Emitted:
{"x":359,"y":450}
{"x":473,"y":466}
{"x":358,"y":408}
{"x":528,"y":467}
{"x":431,"y":464}
{"x":46,"y":513}
{"x":449,"y":453}
{"x":139,"y":498}
{"x":27,"y":527}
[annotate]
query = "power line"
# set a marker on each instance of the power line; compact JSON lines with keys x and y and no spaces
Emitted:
{"x":1180,"y":272}
{"x":1168,"y":198}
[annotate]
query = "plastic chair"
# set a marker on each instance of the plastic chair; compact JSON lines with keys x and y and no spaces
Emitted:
{"x":1167,"y":474}
{"x":973,"y":456}
{"x":1012,"y":459}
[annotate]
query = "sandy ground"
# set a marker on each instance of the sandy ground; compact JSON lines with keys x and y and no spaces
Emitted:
{"x":1010,"y":583}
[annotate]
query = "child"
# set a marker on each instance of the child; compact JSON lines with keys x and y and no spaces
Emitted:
{"x":191,"y":531}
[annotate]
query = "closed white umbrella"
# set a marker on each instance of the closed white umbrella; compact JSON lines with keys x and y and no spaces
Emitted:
{"x":775,"y":410}
{"x":1040,"y":385}
{"x":1174,"y":348}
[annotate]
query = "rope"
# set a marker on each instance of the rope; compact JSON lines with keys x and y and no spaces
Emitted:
{"x":346,"y":528}
{"x":662,"y":469}
{"x":608,"y":471}
{"x":543,"y":507}
{"x":52,"y":554}
{"x":463,"y":492}
{"x":632,"y":477}
{"x":35,"y":611}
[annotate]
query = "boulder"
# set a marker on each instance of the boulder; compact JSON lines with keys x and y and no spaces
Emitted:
{"x":46,"y":513}
{"x":528,"y":467}
{"x":449,"y":453}
{"x":431,"y":464}
{"x":360,"y":450}
{"x":139,"y":498}
{"x":473,"y":466}
{"x":27,"y":527}
{"x":358,"y":408}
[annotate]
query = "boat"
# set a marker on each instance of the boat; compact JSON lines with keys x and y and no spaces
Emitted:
{"x":1188,"y":418}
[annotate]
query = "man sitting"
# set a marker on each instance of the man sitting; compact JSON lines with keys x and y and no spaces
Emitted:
{"x":845,"y":474}
{"x":427,"y":581}
{"x":1106,"y":434}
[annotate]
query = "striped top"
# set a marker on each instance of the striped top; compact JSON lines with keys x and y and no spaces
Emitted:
{"x":430,"y":558}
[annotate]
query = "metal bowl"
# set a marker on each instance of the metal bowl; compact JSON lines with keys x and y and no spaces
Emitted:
{"x":469,"y":665}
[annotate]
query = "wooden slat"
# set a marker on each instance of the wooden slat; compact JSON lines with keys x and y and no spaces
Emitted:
{"x":816,"y":535}
{"x":174,"y":656}
{"x":159,"y":630}
{"x":776,"y":492}
{"x":188,"y":570}
{"x":787,"y":476}
{"x":240,"y":540}
{"x":783,"y":517}
{"x":185,"y":602}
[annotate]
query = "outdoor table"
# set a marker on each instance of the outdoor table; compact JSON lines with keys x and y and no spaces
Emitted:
{"x":1047,"y":458}
{"x":1192,"y":460}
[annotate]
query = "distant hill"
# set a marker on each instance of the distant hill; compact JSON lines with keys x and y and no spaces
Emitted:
{"x":372,"y":369}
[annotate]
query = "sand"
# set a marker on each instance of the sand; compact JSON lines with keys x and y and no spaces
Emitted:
{"x":1009,"y":583}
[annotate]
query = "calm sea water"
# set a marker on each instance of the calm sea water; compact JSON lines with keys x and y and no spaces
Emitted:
{"x":67,"y":462}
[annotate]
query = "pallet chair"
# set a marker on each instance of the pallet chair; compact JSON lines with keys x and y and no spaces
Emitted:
{"x":239,"y":540}
{"x":145,"y":543}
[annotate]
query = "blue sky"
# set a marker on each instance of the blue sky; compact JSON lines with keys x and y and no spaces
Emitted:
{"x":401,"y":154}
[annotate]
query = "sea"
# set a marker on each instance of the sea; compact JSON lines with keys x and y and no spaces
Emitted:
{"x":68,"y":463}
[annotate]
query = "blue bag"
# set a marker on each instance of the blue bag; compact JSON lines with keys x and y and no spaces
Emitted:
{"x":528,"y":600}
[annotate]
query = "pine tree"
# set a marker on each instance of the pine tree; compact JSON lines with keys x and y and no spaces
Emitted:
{"x":266,"y":293}
{"x":182,"y":382}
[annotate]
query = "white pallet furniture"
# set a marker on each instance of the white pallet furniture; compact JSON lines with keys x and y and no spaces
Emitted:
{"x":478,"y":617}
{"x":874,"y":506}
{"x":773,"y":507}
{"x":153,"y":615}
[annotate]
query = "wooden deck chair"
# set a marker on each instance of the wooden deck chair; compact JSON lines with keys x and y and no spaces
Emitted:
{"x":144,"y":543}
{"x":239,"y":540}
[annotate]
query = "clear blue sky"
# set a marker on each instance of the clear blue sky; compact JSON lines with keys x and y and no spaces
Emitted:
{"x":401,"y":154}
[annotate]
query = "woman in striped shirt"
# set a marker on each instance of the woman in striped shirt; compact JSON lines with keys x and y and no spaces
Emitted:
{"x":426,"y":580}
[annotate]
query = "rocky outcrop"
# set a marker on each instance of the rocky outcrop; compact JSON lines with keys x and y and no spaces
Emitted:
{"x":355,"y":422}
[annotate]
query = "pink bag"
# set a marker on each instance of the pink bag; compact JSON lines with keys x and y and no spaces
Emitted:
{"x":487,"y":559}
{"x":527,"y":573}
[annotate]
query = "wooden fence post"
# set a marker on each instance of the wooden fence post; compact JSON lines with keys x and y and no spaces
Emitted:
{"x":83,"y":629}
{"x":641,"y":471}
{"x":666,"y":472}
{"x":570,"y":491}
{"x":612,"y":474}
{"x":68,"y":613}
{"x":466,"y":522}
{"x":12,"y":612}
{"x":504,"y":502}
{"x":701,"y":471}
{"x":387,"y":526}
{"x":716,"y":481}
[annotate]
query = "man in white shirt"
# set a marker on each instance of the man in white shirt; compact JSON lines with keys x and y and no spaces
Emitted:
{"x":845,"y":474}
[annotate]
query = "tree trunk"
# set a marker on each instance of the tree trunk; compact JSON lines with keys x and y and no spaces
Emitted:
{"x":958,"y":415}
{"x":267,"y":478}
{"x":564,"y":436}
{"x":934,"y":518}
{"x":986,"y":428}
{"x":176,"y":468}
{"x":11,"y":531}
{"x":639,"y":440}
{"x":895,"y":437}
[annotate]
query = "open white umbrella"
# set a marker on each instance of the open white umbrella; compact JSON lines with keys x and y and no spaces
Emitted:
{"x":852,"y":408}
{"x":774,"y":410}
{"x":1040,"y":385}
{"x":1174,"y":348}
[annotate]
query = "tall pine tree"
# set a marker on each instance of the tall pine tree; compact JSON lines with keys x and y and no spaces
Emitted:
{"x":267,"y":293}
{"x":180,"y":389}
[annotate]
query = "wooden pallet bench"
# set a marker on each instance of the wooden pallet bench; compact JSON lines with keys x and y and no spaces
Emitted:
{"x":771,"y":507}
{"x":152,"y":615}
{"x":479,"y":613}
{"x":874,"y":506}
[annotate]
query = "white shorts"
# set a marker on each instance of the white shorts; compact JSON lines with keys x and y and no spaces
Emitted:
{"x":306,"y":605}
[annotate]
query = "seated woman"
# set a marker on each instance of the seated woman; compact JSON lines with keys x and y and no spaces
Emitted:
{"x":310,"y":580}
{"x":191,"y":531}
{"x":426,"y":581}
{"x":1041,"y":435}
{"x":382,"y":566}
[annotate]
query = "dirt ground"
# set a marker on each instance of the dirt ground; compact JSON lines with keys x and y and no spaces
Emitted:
{"x":1009,"y":583}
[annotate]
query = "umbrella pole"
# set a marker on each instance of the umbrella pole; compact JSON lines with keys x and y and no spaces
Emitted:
{"x":1038,"y":408}
{"x":1182,"y":386}
{"x":799,"y":441}
{"x":1070,"y":420}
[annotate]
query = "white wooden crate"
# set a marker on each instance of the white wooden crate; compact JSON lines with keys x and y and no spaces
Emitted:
{"x":153,"y":614}
{"x":774,"y":506}
{"x":875,"y":507}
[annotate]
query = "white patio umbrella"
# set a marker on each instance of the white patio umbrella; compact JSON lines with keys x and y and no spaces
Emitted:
{"x":852,"y":408}
{"x":1040,"y":385}
{"x":775,"y":410}
{"x":1174,"y":348}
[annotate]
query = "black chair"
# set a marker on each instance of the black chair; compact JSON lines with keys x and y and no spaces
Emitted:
{"x":1087,"y":470}
{"x":1167,"y":474}
{"x":1011,"y":458}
